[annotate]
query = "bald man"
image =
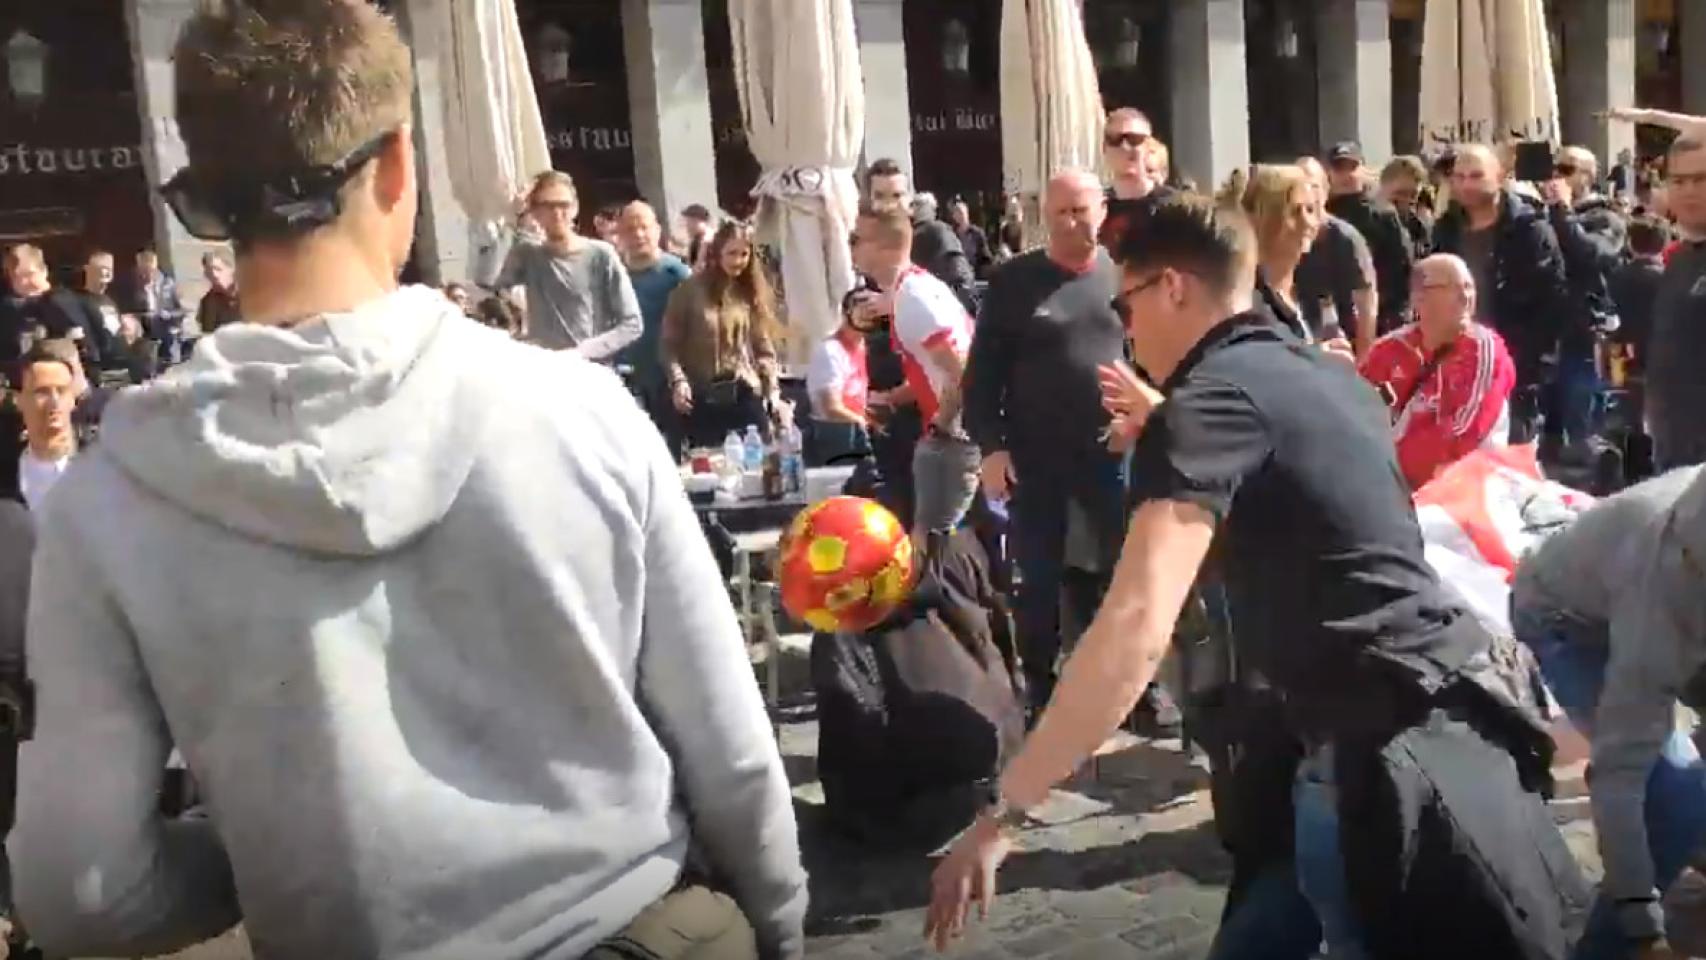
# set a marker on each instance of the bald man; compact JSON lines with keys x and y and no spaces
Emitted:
{"x":1034,"y":408}
{"x":654,"y":275}
{"x":1513,"y":255}
{"x":1446,"y":378}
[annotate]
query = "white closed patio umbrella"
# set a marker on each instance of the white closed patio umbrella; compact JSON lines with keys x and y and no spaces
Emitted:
{"x":494,"y":136}
{"x":802,"y":99}
{"x":1051,"y":103}
{"x":1487,"y":73}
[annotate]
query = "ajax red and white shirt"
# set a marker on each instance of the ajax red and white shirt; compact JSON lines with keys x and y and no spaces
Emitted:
{"x":927,"y":315}
{"x":839,"y":369}
{"x":1446,"y":409}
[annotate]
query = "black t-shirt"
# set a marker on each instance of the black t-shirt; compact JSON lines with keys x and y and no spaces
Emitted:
{"x":1335,"y":268}
{"x":1030,"y":384}
{"x":55,"y":313}
{"x":1330,"y":595}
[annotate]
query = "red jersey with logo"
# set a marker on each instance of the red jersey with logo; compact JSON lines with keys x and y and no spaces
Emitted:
{"x":926,"y":316}
{"x":1449,"y":409}
{"x":841,"y":370}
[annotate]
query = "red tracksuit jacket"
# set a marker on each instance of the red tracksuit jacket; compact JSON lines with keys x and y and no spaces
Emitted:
{"x":1455,"y":409}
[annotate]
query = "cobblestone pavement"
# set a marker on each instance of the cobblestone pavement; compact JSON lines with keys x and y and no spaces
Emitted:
{"x":1123,"y":864}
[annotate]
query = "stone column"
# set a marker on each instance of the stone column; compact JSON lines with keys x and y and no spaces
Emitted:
{"x":1354,"y":75}
{"x":444,"y":245}
{"x":882,"y":59}
{"x":1598,"y":74}
{"x":1691,"y":38}
{"x":154,"y":26}
{"x":670,"y":102}
{"x":1211,"y":104}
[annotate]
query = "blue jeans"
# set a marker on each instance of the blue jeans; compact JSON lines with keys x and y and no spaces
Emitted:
{"x":1577,"y":393}
{"x":1286,"y":914}
{"x":1573,"y":655}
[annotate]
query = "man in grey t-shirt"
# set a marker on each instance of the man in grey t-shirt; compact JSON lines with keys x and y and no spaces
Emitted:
{"x":578,"y":294}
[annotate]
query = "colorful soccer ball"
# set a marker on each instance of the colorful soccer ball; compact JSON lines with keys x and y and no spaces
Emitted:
{"x":846,"y":565}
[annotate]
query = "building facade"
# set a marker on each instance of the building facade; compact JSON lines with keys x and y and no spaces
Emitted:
{"x":639,"y":98}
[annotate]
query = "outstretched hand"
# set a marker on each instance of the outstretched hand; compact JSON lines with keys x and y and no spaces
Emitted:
{"x":965,"y":875}
{"x":1129,"y":402}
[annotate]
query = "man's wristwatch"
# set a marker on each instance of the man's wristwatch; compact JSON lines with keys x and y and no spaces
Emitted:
{"x":1006,"y":817}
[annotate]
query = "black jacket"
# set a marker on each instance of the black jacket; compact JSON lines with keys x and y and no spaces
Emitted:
{"x":937,"y":249}
{"x":914,"y":713}
{"x":17,"y":545}
{"x":1635,"y":288}
{"x":1591,"y":238}
{"x":1531,"y":294}
{"x":1388,"y":244}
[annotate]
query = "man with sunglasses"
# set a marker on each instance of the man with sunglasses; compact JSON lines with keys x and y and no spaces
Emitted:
{"x":1353,"y":199}
{"x":1414,"y":834}
{"x":1127,"y":139}
{"x":425,"y":610}
{"x":1614,"y":608}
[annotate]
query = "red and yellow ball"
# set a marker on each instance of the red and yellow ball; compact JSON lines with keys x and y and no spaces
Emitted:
{"x":846,"y":565}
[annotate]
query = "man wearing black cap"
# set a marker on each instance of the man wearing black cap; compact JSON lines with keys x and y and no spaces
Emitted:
{"x":1352,"y":199}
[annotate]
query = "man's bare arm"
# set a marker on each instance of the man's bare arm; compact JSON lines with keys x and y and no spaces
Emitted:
{"x":954,"y":362}
{"x":1120,"y":652}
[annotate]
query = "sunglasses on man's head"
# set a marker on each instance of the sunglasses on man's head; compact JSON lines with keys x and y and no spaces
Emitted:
{"x":1129,"y":139}
{"x":289,"y":204}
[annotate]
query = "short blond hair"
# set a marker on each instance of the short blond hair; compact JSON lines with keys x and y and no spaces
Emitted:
{"x":24,"y":253}
{"x":553,"y":178}
{"x":1265,"y":193}
{"x":270,"y":87}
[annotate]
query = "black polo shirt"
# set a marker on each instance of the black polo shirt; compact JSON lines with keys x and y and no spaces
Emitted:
{"x":1330,"y":596}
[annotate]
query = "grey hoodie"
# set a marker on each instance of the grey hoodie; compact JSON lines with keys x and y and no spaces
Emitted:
{"x":430,"y":619}
{"x":1635,"y":563}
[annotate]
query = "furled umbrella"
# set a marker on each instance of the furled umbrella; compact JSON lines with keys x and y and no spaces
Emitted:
{"x":1051,"y":103}
{"x":803,"y":105}
{"x":494,"y":136}
{"x":1487,"y":73}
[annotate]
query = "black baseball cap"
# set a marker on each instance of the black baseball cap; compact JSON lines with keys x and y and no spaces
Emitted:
{"x":1345,"y":150}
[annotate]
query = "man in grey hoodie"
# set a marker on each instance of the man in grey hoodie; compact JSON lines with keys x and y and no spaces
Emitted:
{"x":1614,"y":608}
{"x":425,"y":610}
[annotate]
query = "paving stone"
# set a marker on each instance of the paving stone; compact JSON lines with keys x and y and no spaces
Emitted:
{"x":1104,"y":948}
{"x":1041,"y":943}
{"x":1166,"y":934}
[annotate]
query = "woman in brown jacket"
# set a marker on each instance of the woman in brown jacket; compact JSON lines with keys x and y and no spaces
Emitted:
{"x":717,"y":344}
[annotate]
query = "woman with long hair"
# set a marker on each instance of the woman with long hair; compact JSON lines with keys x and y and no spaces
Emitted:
{"x":1286,"y":218}
{"x":718,"y":340}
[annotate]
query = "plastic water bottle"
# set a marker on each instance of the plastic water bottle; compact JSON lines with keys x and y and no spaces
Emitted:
{"x":754,"y":459}
{"x":793,"y":460}
{"x":734,"y":454}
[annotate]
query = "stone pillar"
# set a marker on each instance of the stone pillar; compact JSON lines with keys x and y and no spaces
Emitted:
{"x":1209,"y":85}
{"x":444,"y":245}
{"x":882,"y":59}
{"x":1598,"y":74}
{"x":154,"y":26}
{"x":1354,"y":75}
{"x":670,"y":102}
{"x":1691,"y":38}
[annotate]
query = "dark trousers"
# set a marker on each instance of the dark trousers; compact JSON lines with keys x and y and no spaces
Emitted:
{"x":717,"y":411}
{"x":1037,"y":537}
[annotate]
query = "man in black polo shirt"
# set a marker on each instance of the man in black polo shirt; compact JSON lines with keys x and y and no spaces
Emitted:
{"x":1280,"y":453}
{"x":1033,"y":407}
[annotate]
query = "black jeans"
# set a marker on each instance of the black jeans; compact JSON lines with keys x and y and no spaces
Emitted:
{"x":719,"y":410}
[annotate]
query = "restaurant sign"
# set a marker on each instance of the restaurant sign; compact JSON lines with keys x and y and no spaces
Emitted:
{"x":23,"y":159}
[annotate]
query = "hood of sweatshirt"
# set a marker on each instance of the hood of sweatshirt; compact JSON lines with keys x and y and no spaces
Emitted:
{"x":346,"y":434}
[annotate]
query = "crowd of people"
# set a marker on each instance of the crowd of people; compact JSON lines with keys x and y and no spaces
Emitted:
{"x":408,"y":583}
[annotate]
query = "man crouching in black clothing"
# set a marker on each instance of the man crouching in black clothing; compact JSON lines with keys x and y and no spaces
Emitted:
{"x":1275,"y":450}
